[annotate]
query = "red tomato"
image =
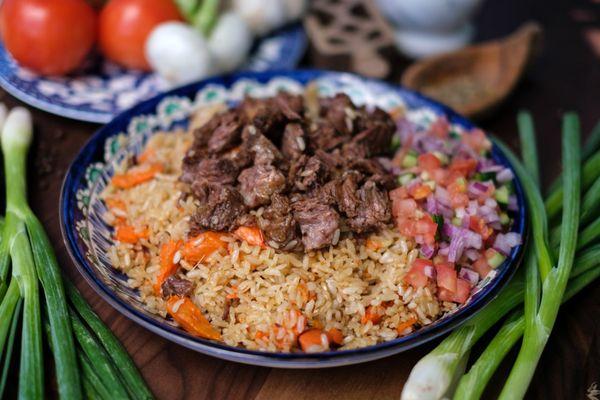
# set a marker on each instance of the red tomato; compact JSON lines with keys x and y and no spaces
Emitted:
{"x":482,"y":267}
{"x":416,"y":276}
{"x":460,"y":295}
{"x":50,"y":37}
{"x":477,"y":140}
{"x":428,"y":162}
{"x":426,"y":227}
{"x":446,"y":276}
{"x":125,"y":26}
{"x":478,"y":225}
{"x":464,"y":166}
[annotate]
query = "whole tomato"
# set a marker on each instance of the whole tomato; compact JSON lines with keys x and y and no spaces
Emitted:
{"x":51,"y":37}
{"x":125,"y":26}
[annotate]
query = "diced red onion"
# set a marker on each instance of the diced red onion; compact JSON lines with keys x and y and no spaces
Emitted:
{"x":512,"y":203}
{"x":431,"y":205}
{"x":442,"y":196}
{"x":506,"y":241}
{"x":505,"y":175}
{"x":469,"y":275}
{"x":477,"y":188}
{"x":427,"y":250}
{"x":471,"y":254}
{"x":491,"y":202}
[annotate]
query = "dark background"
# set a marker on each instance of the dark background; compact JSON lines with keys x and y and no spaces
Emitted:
{"x":565,"y":77}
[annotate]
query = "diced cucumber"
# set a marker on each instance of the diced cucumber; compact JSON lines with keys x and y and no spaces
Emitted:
{"x":431,"y":184}
{"x":484,"y":176}
{"x":504,"y":218}
{"x":442,"y":157}
{"x":496,"y":259}
{"x":396,"y":143}
{"x":456,"y":221}
{"x":454,"y":135}
{"x":502,"y":194}
{"x":410,"y":160}
{"x":405,"y":178}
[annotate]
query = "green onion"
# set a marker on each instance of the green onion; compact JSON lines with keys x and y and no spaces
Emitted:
{"x":129,"y":373}
{"x":206,"y":16}
{"x":589,"y":234}
{"x":187,"y":8}
{"x":528,"y":145}
{"x":555,"y":283}
{"x":7,"y":351}
{"x":91,"y":381}
{"x":590,"y":203}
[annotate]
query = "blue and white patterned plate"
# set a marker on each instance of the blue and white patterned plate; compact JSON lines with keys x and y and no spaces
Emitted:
{"x":88,"y":237}
{"x":102,"y":89}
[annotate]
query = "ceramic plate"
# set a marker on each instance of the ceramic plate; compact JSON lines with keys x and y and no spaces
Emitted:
{"x":88,"y":237}
{"x":102,"y":89}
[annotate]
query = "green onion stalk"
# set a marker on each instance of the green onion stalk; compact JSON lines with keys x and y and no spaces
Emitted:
{"x":26,"y":261}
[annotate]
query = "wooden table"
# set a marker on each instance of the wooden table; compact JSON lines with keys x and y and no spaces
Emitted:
{"x":566,"y":77}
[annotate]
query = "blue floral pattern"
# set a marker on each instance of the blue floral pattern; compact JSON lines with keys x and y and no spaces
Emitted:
{"x":102,"y":89}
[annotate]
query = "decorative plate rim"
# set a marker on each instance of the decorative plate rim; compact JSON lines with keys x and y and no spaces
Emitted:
{"x":96,"y":143}
{"x":86,"y":114}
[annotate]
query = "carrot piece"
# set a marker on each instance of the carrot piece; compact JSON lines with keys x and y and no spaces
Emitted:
{"x":251,"y":234}
{"x":129,"y":234}
{"x":403,"y":326}
{"x":189,"y":316}
{"x":313,"y":340}
{"x":198,"y":248}
{"x":147,"y":155}
{"x":372,"y":244}
{"x":135,"y":176}
{"x":114,"y":203}
{"x":233,"y":294}
{"x":167,"y":266}
{"x":373,"y":314}
{"x":335,"y":336}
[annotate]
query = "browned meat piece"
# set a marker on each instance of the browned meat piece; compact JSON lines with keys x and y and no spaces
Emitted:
{"x":173,"y":286}
{"x":240,"y":156}
{"x":327,"y":194}
{"x":339,"y":111}
{"x":218,"y":207}
{"x":374,"y":170}
{"x":278,"y":224}
{"x":323,"y":135}
{"x":373,"y":211}
{"x":291,"y":106}
{"x":263,"y":151}
{"x":246,"y":220}
{"x":376,"y":118}
{"x":347,"y":194}
{"x":319,"y":223}
{"x":212,"y":170}
{"x":293,"y":142}
{"x":376,"y":140}
{"x":259,"y":183}
{"x":311,"y":173}
{"x":227,"y":134}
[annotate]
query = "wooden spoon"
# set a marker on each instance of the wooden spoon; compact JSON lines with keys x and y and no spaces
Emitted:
{"x":475,"y":80}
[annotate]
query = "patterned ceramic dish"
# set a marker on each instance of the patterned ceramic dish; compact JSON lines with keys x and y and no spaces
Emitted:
{"x":103,"y":89}
{"x":88,"y":237}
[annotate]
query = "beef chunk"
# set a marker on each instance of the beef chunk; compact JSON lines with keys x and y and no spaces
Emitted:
{"x":240,"y":156}
{"x":218,"y":207}
{"x":323,"y":135}
{"x":338,"y":110}
{"x":263,"y":151}
{"x":373,"y":211}
{"x":270,"y":115}
{"x":278,"y":224}
{"x":227,"y":134}
{"x":319,"y":223}
{"x":309,"y":172}
{"x":212,"y":170}
{"x":293,"y":143}
{"x":347,"y":196}
{"x":173,"y":286}
{"x":259,"y":183}
{"x":291,"y":106}
{"x":376,"y":140}
{"x":374,"y":170}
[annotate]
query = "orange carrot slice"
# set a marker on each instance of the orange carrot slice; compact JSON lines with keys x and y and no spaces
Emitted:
{"x":114,"y":203}
{"x":403,"y":326}
{"x":313,"y":340}
{"x":167,"y":266}
{"x":189,"y":316}
{"x":198,"y":248}
{"x":129,"y":234}
{"x":250,"y":234}
{"x":373,"y":314}
{"x":147,"y":155}
{"x":335,"y":336}
{"x":136,"y":175}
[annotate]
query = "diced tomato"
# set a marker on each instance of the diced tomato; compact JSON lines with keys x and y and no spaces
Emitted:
{"x":477,"y":140}
{"x":440,"y":128}
{"x":439,"y":175}
{"x":463,"y":166}
{"x":458,"y":193}
{"x":416,"y":276}
{"x":427,"y":228}
{"x":482,"y":267}
{"x":478,"y":225}
{"x":446,"y":276}
{"x":428,"y":162}
{"x":403,"y":207}
{"x":419,"y":191}
{"x":463,"y":290}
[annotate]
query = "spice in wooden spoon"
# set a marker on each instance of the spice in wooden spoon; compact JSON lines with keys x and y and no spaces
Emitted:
{"x":476,"y":79}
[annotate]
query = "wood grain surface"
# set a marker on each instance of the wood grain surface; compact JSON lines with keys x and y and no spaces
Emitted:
{"x":566,"y":77}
